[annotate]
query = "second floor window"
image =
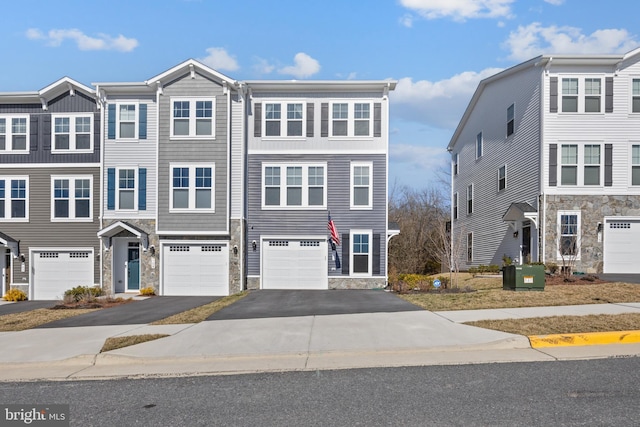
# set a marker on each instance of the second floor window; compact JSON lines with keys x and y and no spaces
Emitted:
{"x":292,"y":124}
{"x":582,"y":95}
{"x":294,"y":186}
{"x":192,"y":118}
{"x":511,"y":119}
{"x":72,"y":133}
{"x":470,"y":199}
{"x":14,"y":198}
{"x":71,"y":198}
{"x":13,"y":134}
{"x":192,"y":188}
{"x":479,"y":145}
{"x":351,"y":119}
{"x":502,"y":178}
{"x":635,"y":96}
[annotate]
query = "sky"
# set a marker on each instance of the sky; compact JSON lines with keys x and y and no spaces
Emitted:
{"x":437,"y":50}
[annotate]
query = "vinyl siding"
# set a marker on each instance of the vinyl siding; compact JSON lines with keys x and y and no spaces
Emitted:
{"x":140,"y":153}
{"x":40,"y":231}
{"x":314,"y":222}
{"x":238,"y":161}
{"x":520,"y":152}
{"x":193,"y":151}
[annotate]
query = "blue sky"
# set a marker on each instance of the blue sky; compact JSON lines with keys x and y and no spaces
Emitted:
{"x":438,"y":50}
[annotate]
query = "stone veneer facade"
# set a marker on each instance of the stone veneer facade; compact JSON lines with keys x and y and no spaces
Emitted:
{"x":338,"y":283}
{"x":592,"y":209}
{"x":149,"y":263}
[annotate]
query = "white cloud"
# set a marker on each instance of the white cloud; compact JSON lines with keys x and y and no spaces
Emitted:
{"x":406,"y":20}
{"x":459,"y":10}
{"x":304,"y":66}
{"x":439,"y":104}
{"x":101,"y":42}
{"x":555,"y":2}
{"x":219,"y":59}
{"x":262,"y":66}
{"x":534,"y":39}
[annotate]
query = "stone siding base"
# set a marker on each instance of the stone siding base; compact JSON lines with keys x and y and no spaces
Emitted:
{"x":253,"y":283}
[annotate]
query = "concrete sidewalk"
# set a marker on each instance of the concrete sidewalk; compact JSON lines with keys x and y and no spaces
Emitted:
{"x":409,"y":338}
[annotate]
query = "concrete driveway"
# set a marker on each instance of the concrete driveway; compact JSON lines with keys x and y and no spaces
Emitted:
{"x":294,"y":303}
{"x":134,"y":313}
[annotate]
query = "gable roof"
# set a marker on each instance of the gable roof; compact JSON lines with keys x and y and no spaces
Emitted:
{"x":191,"y":65}
{"x":47,"y":93}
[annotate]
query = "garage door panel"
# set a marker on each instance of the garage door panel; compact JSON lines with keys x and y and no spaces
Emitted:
{"x":54,"y":272}
{"x":196,"y":269}
{"x":294,"y":264}
{"x":621,"y":250}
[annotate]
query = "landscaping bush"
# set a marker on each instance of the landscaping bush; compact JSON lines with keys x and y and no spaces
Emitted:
{"x":15,"y":295}
{"x":80,"y":293}
{"x":148,"y":291}
{"x":552,"y":267}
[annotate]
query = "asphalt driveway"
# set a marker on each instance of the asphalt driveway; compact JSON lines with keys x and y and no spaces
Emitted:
{"x":134,"y":313}
{"x":20,"y":306}
{"x":292,"y":303}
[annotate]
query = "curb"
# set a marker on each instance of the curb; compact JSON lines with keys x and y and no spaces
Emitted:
{"x":589,"y":338}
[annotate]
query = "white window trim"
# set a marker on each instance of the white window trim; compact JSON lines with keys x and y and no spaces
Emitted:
{"x":479,"y":145}
{"x":581,"y":164}
{"x":72,"y":198}
{"x":631,"y":95}
{"x":136,"y":120}
{"x":9,"y":134}
{"x":352,"y":253}
{"x":469,"y":199}
{"x":192,"y":118}
{"x":510,"y":135}
{"x":505,"y":178}
{"x":455,"y":162}
{"x":631,"y":165}
{"x":135,"y":189}
{"x":351,"y":118}
{"x":283,"y":186}
{"x":582,"y":92}
{"x":352,"y":187}
{"x":72,"y":133}
{"x":283,"y":120}
{"x":7,"y":199}
{"x":578,"y":236}
{"x":192,"y":187}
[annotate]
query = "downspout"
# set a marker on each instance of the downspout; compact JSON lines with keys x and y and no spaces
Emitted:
{"x":542,"y":213}
{"x":100,"y":107}
{"x":385,"y":97}
{"x":160,"y":265}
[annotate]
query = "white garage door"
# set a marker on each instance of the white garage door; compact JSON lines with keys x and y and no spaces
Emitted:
{"x":196,"y":269}
{"x":294,"y":264}
{"x":621,"y":249}
{"x":54,"y":272}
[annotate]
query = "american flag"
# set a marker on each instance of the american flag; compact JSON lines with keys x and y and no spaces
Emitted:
{"x":334,"y":232}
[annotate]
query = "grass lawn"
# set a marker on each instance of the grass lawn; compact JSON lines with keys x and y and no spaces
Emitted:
{"x":33,"y":318}
{"x":488,"y":293}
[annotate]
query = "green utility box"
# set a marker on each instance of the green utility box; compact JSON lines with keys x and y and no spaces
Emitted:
{"x":523,"y":278}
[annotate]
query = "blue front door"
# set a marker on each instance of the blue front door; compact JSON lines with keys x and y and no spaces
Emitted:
{"x":133,"y":268}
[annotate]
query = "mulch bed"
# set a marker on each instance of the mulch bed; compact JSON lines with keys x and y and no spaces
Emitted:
{"x":98,"y":303}
{"x":576,"y":279}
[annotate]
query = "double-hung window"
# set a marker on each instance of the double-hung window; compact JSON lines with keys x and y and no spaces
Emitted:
{"x":479,"y":145}
{"x":502,"y":177}
{"x":294,"y":185}
{"x":635,"y":165}
{"x":570,"y":95}
{"x":126,"y":189}
{"x":569,"y":234}
{"x":192,"y":118}
{"x":455,"y":206}
{"x":361,"y":252}
{"x":72,"y":133}
{"x":592,"y":165}
{"x":14,"y":198}
{"x":635,"y":96}
{"x":361,"y":185}
{"x":469,"y":247}
{"x":289,"y":122}
{"x":127,"y":124}
{"x":470,"y":199}
{"x":569,"y":165}
{"x":511,"y":113}
{"x":192,"y":188}
{"x":582,"y":95}
{"x":14,"y":131}
{"x":72,"y":198}
{"x":581,"y":164}
{"x":592,"y":95}
{"x":454,"y":161}
{"x":351,"y":119}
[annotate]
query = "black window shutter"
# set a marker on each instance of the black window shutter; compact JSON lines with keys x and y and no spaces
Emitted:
{"x":377,"y":119}
{"x":310,"y":117}
{"x":96,"y":131}
{"x":553,"y":95}
{"x":553,"y":165}
{"x":345,"y":253}
{"x":608,"y":95}
{"x":324,"y":119}
{"x":33,"y":133}
{"x":257,"y":119}
{"x":608,"y":165}
{"x":46,"y":132}
{"x":375,"y":266}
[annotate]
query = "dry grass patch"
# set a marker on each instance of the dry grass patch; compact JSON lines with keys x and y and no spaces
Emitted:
{"x":198,"y":314}
{"x":489,"y":294}
{"x":115,"y":343}
{"x":33,"y":318}
{"x":563,"y":324}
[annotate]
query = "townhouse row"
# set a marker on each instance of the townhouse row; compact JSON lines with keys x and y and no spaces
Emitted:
{"x":194,"y":184}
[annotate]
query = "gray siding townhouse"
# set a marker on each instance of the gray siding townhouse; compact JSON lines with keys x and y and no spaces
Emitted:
{"x":173,"y":219}
{"x":49,"y":189}
{"x":317,"y":148}
{"x":546,"y":165}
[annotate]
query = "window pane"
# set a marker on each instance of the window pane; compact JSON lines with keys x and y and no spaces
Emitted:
{"x":339,"y":128}
{"x":18,"y":209}
{"x":128,"y":113}
{"x":272,"y":196}
{"x":272,"y":111}
{"x":19,"y":142}
{"x":340,"y":111}
{"x":180,"y":109}
{"x":2,"y":208}
{"x":83,"y":124}
{"x":61,"y":209}
{"x":181,"y":198}
{"x":592,"y":104}
{"x":272,"y":175}
{"x":294,"y":128}
{"x":361,"y":196}
{"x":203,"y":199}
{"x":203,"y":178}
{"x":272,"y":128}
{"x":62,"y":142}
{"x":61,"y":125}
{"x":83,"y":142}
{"x":569,"y":175}
{"x":636,"y":105}
{"x":361,"y":128}
{"x":592,"y":86}
{"x":126,"y":199}
{"x":592,"y":154}
{"x":569,"y":86}
{"x":294,"y":196}
{"x":3,"y":125}
{"x":3,"y":142}
{"x":82,"y":209}
{"x":569,"y":154}
{"x":635,"y":175}
{"x":127,"y":130}
{"x":294,"y":175}
{"x":570,"y":104}
{"x":361,"y":263}
{"x":316,"y":196}
{"x":203,"y":127}
{"x":19,"y":126}
{"x":592,"y":175}
{"x":181,"y":127}
{"x":204,"y":109}
{"x":294,"y":111}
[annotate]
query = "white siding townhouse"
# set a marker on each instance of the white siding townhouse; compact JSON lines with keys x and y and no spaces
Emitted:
{"x":546,"y":165}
